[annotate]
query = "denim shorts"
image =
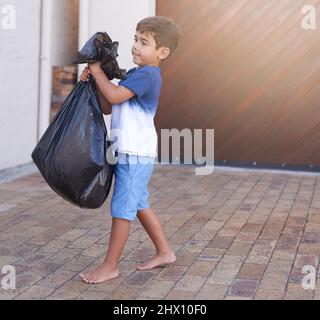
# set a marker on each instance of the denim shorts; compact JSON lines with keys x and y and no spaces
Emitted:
{"x":130,"y":194}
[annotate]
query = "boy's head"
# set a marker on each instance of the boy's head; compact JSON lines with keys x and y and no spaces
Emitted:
{"x":155,"y":40}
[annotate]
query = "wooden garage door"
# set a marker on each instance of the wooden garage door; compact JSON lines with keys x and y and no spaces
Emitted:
{"x":250,"y":71}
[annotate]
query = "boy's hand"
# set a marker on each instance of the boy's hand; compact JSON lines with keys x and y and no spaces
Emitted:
{"x":95,"y":68}
{"x":85,"y":74}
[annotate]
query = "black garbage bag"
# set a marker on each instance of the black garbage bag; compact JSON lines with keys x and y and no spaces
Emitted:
{"x":71,"y":154}
{"x":101,"y":48}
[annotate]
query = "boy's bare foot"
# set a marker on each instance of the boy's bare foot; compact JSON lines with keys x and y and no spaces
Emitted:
{"x":158,"y":260}
{"x":101,"y":274}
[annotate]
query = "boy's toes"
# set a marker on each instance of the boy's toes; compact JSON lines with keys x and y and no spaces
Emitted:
{"x":86,"y":280}
{"x":85,"y":277}
{"x":93,"y":280}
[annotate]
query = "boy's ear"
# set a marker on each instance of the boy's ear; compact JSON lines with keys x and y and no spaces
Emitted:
{"x":164,"y":53}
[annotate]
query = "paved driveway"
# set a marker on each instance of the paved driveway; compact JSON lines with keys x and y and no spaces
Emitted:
{"x":237,"y":235}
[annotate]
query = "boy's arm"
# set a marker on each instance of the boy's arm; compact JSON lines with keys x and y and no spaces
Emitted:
{"x":106,"y":106}
{"x":113,"y":93}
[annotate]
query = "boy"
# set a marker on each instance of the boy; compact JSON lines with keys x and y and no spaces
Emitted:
{"x":134,"y":102}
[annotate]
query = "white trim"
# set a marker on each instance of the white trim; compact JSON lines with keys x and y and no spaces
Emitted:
{"x":153,"y":7}
{"x":250,"y":170}
{"x":84,"y":27}
{"x":274,"y":171}
{"x":45,"y":79}
{"x":14,"y":173}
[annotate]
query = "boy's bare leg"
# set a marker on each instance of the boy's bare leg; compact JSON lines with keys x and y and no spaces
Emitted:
{"x":110,"y":268}
{"x":164,"y":255}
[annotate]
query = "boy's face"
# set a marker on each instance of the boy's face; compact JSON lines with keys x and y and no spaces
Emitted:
{"x":144,"y":50}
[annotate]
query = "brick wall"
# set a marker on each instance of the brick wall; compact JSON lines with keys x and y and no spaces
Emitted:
{"x":64,"y":79}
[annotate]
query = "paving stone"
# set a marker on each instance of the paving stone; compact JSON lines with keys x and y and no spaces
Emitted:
{"x":212,"y":292}
{"x":246,"y":236}
{"x":140,"y":254}
{"x":6,"y":206}
{"x":73,"y":234}
{"x":25,"y":249}
{"x":213,"y":225}
{"x":229,"y":297}
{"x":157,"y":288}
{"x":57,"y":278}
{"x":195,"y":245}
{"x":269,"y":294}
{"x":54,"y":246}
{"x":282,"y":254}
{"x":181,"y":236}
{"x":107,"y":287}
{"x":138,"y":235}
{"x":13,"y":242}
{"x":8,"y":294}
{"x":201,"y":268}
{"x":308,"y":248}
{"x":222,"y":276}
{"x":251,"y":271}
{"x":6,"y":260}
{"x":243,"y":288}
{"x":252,"y":228}
{"x":126,"y":267}
{"x":35,"y":292}
{"x":34,"y":258}
{"x":64,"y":255}
{"x":78,"y":263}
{"x":269,"y":234}
{"x":172,"y":272}
{"x":190,"y":283}
{"x":94,"y":295}
{"x":185,"y":258}
{"x":21,"y":268}
{"x":45,"y":268}
{"x":139,"y":278}
{"x":96,"y":250}
{"x":274,"y":280}
{"x":240,"y":248}
{"x":220,"y":242}
{"x":70,"y":290}
{"x":261,"y":251}
{"x":180,"y":295}
{"x":204,"y":234}
{"x":302,"y":260}
{"x":124,"y":293}
{"x":82,"y":243}
{"x":288,"y":243}
{"x":211,"y":254}
{"x":26,"y":279}
{"x":295,"y":291}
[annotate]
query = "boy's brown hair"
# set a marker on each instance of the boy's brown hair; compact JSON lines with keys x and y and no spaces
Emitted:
{"x":165,"y":31}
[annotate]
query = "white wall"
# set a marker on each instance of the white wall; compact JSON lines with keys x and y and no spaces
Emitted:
{"x":20,"y":72}
{"x":119,"y":19}
{"x":65,"y":21}
{"x":20,"y":52}
{"x":19,"y":78}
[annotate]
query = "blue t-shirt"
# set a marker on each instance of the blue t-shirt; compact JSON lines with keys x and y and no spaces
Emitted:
{"x":132,"y":121}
